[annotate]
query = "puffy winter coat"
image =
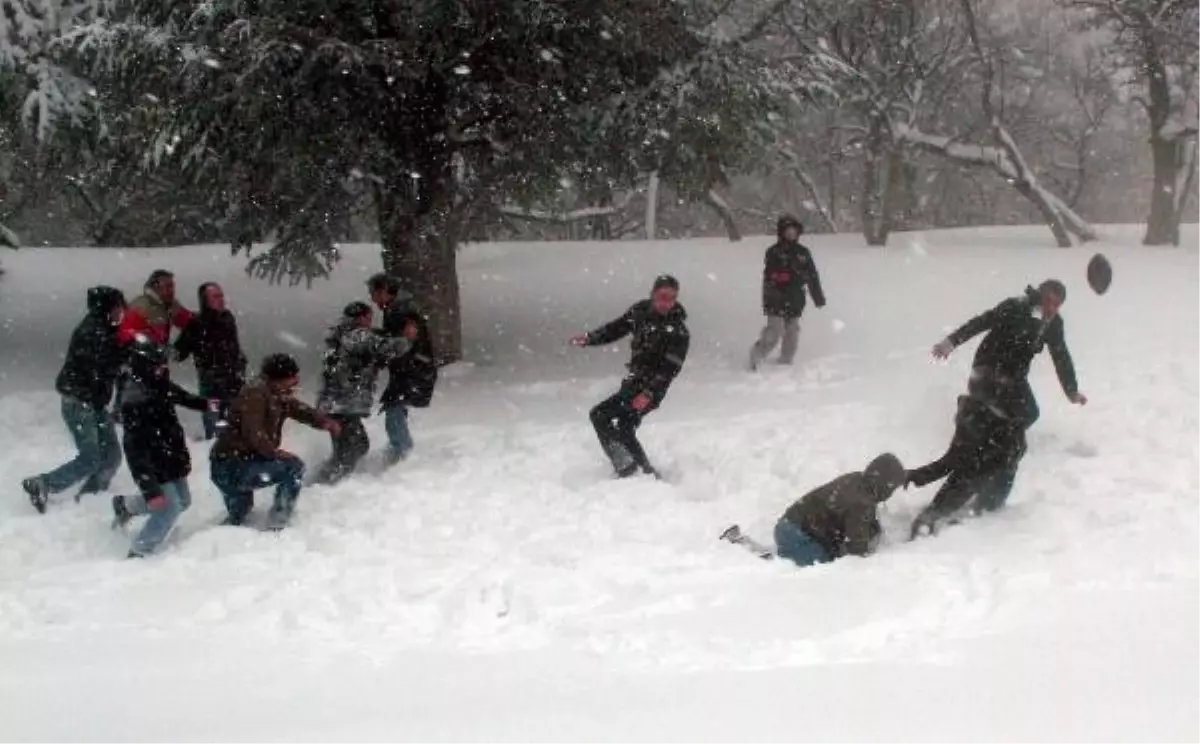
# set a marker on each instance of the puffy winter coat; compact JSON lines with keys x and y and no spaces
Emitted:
{"x":788,"y":269}
{"x":412,"y":377}
{"x":94,"y":357}
{"x":351,"y":366}
{"x":1015,"y":335}
{"x":148,"y":314}
{"x":211,"y":338}
{"x":840,"y":515}
{"x":153,"y":440}
{"x":658,"y":349}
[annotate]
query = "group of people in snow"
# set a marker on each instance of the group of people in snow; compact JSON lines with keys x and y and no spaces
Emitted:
{"x":127,"y":349}
{"x":122,"y":352}
{"x":978,"y":468}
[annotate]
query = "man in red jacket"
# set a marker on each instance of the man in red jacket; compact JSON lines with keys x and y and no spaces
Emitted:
{"x":154,"y":312}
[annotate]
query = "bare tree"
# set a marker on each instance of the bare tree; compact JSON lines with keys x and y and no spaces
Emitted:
{"x":1157,"y":41}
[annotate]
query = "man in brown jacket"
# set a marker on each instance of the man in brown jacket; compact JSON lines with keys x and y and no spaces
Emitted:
{"x":247,"y":455}
{"x":834,"y":520}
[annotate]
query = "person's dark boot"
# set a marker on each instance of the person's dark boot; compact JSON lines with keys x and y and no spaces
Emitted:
{"x":121,"y":514}
{"x":38,"y":493}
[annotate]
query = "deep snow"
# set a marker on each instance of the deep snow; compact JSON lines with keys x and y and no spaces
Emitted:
{"x":499,"y":586}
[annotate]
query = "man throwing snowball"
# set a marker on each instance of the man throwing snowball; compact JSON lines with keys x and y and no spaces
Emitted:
{"x":658,"y":350}
{"x":1017,"y":331}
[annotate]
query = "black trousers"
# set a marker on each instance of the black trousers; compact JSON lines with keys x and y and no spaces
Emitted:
{"x":350,"y":445}
{"x":616,"y":423}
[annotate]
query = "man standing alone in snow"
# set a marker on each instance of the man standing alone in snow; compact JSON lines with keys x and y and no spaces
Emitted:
{"x":788,"y":270}
{"x":86,"y":384}
{"x":659,"y":348}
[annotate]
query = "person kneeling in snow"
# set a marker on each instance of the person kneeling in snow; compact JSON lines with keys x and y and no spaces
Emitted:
{"x":832,"y":521}
{"x":154,"y":443}
{"x":981,"y":461}
{"x":247,"y":455}
{"x":659,"y":348}
{"x":355,"y":354}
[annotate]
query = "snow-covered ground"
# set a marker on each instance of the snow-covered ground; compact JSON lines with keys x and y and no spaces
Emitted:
{"x":500,"y":586}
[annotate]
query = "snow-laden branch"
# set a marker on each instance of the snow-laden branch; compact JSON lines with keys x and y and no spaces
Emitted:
{"x":563,"y":218}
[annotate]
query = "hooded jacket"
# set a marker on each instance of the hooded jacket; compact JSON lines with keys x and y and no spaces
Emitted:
{"x":153,"y":439}
{"x":840,"y":515}
{"x":352,"y":361}
{"x":211,"y":338}
{"x":89,"y":372}
{"x":413,"y":376}
{"x":788,"y":269}
{"x":657,"y":351}
{"x":1015,"y":335}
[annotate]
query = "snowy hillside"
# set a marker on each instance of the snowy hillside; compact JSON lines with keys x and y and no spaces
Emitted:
{"x":499,"y":586}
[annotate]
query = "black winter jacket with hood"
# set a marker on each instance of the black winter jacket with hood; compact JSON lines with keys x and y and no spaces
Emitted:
{"x":211,"y":338}
{"x":413,"y":376}
{"x":789,"y":269}
{"x":657,"y":351}
{"x":93,"y":363}
{"x":154,"y":441}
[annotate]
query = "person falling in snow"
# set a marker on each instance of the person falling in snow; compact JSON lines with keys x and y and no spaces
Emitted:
{"x":658,"y":350}
{"x":247,"y":455}
{"x":834,"y":520}
{"x":1018,"y":329}
{"x":979,"y":463}
{"x":85,"y":382}
{"x":155,"y":445}
{"x":211,"y":338}
{"x":355,"y":353}
{"x":412,"y":376}
{"x":788,"y":270}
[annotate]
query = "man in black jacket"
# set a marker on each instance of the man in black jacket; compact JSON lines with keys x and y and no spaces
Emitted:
{"x":788,"y":270}
{"x":659,"y":348}
{"x":86,"y":383}
{"x":411,"y":376}
{"x":1017,"y":331}
{"x":211,"y":338}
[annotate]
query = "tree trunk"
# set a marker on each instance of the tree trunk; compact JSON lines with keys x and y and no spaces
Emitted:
{"x":714,"y":200}
{"x":875,"y":223}
{"x":1162,"y":227}
{"x":421,"y":251}
{"x":652,"y":207}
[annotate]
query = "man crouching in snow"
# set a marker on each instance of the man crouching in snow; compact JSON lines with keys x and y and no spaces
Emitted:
{"x":247,"y":455}
{"x":832,"y":521}
{"x":980,"y":463}
{"x":659,"y":348}
{"x":155,"y":445}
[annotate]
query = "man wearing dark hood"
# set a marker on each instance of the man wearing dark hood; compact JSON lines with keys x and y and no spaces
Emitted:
{"x":788,"y":270}
{"x":659,"y":347}
{"x":835,"y":520}
{"x":211,"y":339}
{"x":86,"y":384}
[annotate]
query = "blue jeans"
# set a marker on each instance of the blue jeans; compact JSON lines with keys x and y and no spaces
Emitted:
{"x":794,"y":544}
{"x":99,"y":453}
{"x":239,"y":479}
{"x":164,"y":508}
{"x":395,"y":421}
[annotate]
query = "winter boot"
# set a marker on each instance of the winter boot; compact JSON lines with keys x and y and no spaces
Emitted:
{"x":39,"y":494}
{"x":733,"y":533}
{"x":133,"y":554}
{"x":121,"y":514}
